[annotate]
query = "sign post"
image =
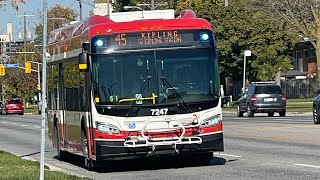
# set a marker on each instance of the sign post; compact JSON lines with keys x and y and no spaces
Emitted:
{"x":44,"y":82}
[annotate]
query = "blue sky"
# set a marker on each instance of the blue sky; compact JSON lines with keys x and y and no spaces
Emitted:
{"x":33,"y":7}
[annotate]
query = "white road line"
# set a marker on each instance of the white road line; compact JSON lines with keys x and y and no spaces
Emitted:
{"x":4,"y":122}
{"x":222,"y":154}
{"x":307,"y":165}
{"x":36,"y":126}
{"x":13,"y":123}
{"x":24,"y":125}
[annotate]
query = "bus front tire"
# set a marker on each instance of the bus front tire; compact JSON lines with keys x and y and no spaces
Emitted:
{"x":88,"y":163}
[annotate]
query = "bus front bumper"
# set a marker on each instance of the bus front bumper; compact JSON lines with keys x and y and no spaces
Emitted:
{"x":117,"y":149}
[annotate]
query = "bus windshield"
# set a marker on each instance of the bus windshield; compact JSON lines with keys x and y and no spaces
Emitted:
{"x":155,"y":77}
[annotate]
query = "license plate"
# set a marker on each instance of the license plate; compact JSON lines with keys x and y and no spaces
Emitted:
{"x":269,"y":99}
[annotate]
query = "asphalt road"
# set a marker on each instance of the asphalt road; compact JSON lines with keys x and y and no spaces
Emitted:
{"x":255,"y":148}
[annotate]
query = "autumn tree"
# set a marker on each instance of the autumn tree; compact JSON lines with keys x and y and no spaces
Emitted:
{"x":305,"y":17}
{"x":14,"y":3}
{"x":17,"y":82}
{"x":57,"y":16}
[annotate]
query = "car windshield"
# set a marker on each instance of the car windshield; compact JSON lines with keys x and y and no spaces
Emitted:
{"x":268,"y":90}
{"x":156,"y":77}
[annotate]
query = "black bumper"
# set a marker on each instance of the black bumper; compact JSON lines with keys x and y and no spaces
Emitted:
{"x":268,"y":109}
{"x":115,"y":149}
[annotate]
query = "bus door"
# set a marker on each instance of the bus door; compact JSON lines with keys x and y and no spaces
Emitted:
{"x":73,"y":99}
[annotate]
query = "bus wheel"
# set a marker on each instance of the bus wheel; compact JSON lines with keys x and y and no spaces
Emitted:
{"x":88,"y":163}
{"x":61,"y":154}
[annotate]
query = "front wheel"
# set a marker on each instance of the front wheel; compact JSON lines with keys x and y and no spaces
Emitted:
{"x":239,"y":113}
{"x":316,"y":119}
{"x":88,"y":163}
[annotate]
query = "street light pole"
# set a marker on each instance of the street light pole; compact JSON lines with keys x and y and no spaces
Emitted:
{"x":245,"y":54}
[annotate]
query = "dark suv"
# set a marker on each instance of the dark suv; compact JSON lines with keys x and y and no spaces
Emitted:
{"x":262,"y":97}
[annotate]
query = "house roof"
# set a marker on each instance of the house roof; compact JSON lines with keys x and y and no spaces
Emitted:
{"x":292,"y":73}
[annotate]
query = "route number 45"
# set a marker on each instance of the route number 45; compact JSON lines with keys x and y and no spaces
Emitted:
{"x":159,"y":112}
{"x":121,"y":39}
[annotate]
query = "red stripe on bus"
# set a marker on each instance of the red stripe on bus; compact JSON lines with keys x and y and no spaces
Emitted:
{"x":189,"y":132}
{"x":89,"y":142}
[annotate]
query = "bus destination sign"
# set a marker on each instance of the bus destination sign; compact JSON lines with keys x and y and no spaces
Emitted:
{"x":152,"y":39}
{"x":155,"y":38}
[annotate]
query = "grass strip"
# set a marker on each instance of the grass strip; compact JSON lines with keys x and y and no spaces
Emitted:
{"x":15,"y":168}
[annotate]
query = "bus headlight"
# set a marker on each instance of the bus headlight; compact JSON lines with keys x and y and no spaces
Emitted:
{"x":211,"y":121}
{"x":107,"y":128}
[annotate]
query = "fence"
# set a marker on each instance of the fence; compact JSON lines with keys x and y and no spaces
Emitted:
{"x":299,"y":88}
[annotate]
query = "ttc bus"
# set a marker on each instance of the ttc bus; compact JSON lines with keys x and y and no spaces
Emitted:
{"x":133,"y":89}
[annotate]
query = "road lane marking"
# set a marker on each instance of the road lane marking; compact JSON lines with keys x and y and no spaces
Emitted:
{"x":230,"y":155}
{"x":4,"y":122}
{"x":13,"y":123}
{"x":23,"y":125}
{"x":36,"y":126}
{"x":307,"y":165}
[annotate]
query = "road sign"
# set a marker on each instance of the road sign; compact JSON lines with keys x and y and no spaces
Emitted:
{"x":11,"y":65}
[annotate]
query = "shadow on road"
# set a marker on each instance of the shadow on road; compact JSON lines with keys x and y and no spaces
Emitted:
{"x":149,"y":163}
{"x":31,"y":154}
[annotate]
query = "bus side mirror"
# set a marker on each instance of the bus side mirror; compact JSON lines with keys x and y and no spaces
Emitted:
{"x":83,"y":62}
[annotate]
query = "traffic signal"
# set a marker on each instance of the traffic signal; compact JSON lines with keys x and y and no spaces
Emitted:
{"x":2,"y":70}
{"x":38,"y":87}
{"x":27,"y":67}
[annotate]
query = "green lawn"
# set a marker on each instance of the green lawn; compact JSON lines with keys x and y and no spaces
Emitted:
{"x":15,"y":168}
{"x":293,"y":105}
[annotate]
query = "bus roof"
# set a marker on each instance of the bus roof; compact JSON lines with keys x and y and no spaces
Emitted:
{"x":95,"y":25}
{"x":66,"y":42}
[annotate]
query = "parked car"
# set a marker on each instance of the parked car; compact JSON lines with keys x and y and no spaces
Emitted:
{"x":14,"y":106}
{"x":316,"y":108}
{"x":262,"y":97}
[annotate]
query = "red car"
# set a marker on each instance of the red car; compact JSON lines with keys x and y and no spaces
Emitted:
{"x":14,"y":106}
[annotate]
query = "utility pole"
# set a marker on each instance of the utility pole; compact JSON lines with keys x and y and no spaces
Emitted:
{"x":108,"y":8}
{"x":25,"y":36}
{"x":152,"y":5}
{"x":80,"y":6}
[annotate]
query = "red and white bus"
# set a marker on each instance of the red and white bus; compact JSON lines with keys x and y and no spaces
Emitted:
{"x":134,"y":89}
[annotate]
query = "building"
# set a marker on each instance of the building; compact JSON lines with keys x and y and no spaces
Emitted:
{"x":304,"y":58}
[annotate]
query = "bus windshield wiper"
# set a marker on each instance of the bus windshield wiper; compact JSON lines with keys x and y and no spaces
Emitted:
{"x":180,"y":99}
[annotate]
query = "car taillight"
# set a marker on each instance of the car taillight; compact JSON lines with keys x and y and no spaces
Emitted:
{"x":254,"y":98}
{"x":283,"y":98}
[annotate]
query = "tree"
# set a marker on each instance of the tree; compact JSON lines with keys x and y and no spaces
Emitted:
{"x":243,"y":26}
{"x":14,"y":3}
{"x":17,"y":83}
{"x":305,"y":17}
{"x":57,"y":16}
